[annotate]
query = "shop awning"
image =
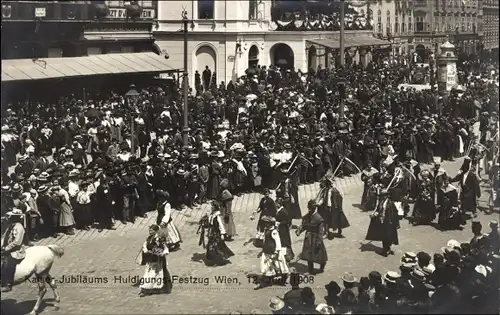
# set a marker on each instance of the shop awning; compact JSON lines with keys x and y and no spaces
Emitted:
{"x":52,"y":68}
{"x":351,"y":40}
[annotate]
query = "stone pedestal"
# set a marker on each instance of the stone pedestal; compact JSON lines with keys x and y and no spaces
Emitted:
{"x":447,"y":67}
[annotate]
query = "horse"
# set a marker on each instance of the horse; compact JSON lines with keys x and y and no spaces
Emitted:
{"x":36,"y":267}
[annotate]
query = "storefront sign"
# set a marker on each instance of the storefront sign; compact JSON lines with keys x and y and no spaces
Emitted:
{"x":121,"y":13}
{"x":451,"y":75}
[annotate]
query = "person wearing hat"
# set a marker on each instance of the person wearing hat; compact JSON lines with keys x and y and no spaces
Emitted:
{"x":288,"y":191}
{"x":480,"y":239}
{"x":46,"y":208}
{"x":104,"y":202}
{"x":494,"y":237}
{"x":65,"y":210}
{"x":450,"y":216}
{"x":213,"y":188}
{"x":331,"y":208}
{"x":313,"y":249}
{"x":12,"y":248}
{"x":384,"y":223}
{"x":273,"y":265}
{"x":226,"y":201}
{"x":82,"y":207}
{"x":168,"y":229}
{"x":128,"y":188}
{"x":267,"y":208}
{"x":276,"y":305}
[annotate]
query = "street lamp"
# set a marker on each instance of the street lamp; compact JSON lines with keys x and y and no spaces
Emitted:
{"x":185,"y":129}
{"x":132,"y":96}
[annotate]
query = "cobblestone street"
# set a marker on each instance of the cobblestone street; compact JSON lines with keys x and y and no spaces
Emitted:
{"x":107,"y":259}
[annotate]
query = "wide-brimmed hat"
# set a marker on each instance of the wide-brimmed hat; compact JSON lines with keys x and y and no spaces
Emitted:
{"x":42,"y":189}
{"x":418,"y":274}
{"x":214,"y":154}
{"x":333,"y":286}
{"x":17,"y":188}
{"x":162,"y":193}
{"x":391,"y":276}
{"x":409,"y":257}
{"x":276,"y":304}
{"x":323,"y":308}
{"x":181,"y":172}
{"x":348,"y":277}
{"x":74,"y":173}
{"x":6,"y":189}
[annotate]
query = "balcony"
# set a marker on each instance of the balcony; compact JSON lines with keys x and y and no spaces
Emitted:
{"x":67,"y":12}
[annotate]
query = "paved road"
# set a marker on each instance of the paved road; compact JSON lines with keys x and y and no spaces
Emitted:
{"x":111,"y":254}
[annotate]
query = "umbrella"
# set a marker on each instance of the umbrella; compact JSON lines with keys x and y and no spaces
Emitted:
{"x":93,"y":113}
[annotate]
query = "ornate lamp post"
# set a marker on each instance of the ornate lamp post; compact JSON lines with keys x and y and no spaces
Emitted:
{"x":132,"y":97}
{"x":185,"y":129}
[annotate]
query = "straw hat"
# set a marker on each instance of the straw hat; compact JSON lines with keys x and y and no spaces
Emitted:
{"x":276,"y":304}
{"x":15,"y":212}
{"x":348,"y":277}
{"x":391,"y":276}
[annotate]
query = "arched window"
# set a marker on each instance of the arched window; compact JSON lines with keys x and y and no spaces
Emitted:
{"x":379,"y":21}
{"x":396,"y":25}
{"x":206,"y":9}
{"x":389,"y":24}
{"x":253,"y":57}
{"x":420,"y":24}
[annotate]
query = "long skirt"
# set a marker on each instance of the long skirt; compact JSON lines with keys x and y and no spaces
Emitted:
{"x":172,"y":234}
{"x":66,"y":218}
{"x":217,"y":250}
{"x":424,"y":212}
{"x":85,"y":217}
{"x":156,"y":276}
{"x":273,"y":264}
{"x":314,"y":249}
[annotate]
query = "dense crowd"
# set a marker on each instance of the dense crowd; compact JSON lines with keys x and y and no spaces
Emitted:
{"x":240,"y":131}
{"x":462,"y":278}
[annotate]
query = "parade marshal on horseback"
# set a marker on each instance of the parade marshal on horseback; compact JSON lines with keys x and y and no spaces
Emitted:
{"x":12,"y":248}
{"x":19,"y":265}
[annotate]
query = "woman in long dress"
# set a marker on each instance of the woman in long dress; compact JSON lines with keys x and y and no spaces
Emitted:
{"x":168,"y":230}
{"x":217,"y":251}
{"x":267,"y":208}
{"x":450,"y":216}
{"x":283,"y":220}
{"x":424,"y":211}
{"x":272,"y":261}
{"x":156,"y":278}
{"x":66,"y":219}
{"x":83,"y":202}
{"x":226,"y":199}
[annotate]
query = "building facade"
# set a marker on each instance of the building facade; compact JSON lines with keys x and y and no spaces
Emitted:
{"x":41,"y":29}
{"x":490,"y":25}
{"x":393,"y":20}
{"x":229,"y":36}
{"x":437,"y":21}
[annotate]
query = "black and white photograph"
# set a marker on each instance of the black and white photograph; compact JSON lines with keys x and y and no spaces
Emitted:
{"x":250,"y":157}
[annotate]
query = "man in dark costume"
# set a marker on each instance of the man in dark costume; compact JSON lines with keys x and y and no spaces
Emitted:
{"x":384,"y":223}
{"x":267,"y":208}
{"x":313,"y":250}
{"x":288,"y":192}
{"x":330,"y":207}
{"x":469,"y":188}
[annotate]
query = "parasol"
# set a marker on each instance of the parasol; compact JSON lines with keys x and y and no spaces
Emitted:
{"x":93,"y":113}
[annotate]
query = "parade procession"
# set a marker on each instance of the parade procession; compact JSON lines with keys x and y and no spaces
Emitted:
{"x":154,"y":181}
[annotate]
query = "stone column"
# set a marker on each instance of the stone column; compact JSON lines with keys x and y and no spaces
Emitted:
{"x":363,"y":56}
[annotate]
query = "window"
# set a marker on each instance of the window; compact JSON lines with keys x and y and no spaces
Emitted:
{"x":403,"y":27}
{"x":396,"y":26}
{"x":388,"y":26}
{"x":379,"y":21}
{"x":253,"y":9}
{"x":410,"y":24}
{"x":420,"y":24}
{"x":450,"y":23}
{"x":205,"y":9}
{"x":463,"y":27}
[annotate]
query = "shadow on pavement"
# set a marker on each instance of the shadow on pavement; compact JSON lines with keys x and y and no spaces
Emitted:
{"x":369,"y":247}
{"x":359,"y":206}
{"x":12,"y":307}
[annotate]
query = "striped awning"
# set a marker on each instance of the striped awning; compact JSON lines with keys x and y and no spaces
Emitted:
{"x":351,"y":40}
{"x":52,"y":68}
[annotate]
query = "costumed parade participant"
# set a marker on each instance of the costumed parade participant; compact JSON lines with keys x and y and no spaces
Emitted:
{"x":384,"y":223}
{"x":168,"y":230}
{"x":450,"y":216}
{"x":156,"y":277}
{"x":217,"y":251}
{"x":313,"y":249}
{"x":367,"y":176}
{"x":226,"y":201}
{"x":330,"y":207}
{"x":494,"y":179}
{"x":284,"y":222}
{"x":469,"y":187}
{"x":267,"y":208}
{"x":272,"y":260}
{"x":12,"y":248}
{"x":424,"y":211}
{"x":288,"y":191}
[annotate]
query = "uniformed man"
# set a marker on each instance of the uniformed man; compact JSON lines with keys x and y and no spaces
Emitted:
{"x":12,"y":248}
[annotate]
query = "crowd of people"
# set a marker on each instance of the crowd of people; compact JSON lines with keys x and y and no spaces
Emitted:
{"x":321,"y":22}
{"x":462,"y":278}
{"x":74,"y":163}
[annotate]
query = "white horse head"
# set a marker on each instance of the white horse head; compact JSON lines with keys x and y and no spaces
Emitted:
{"x":36,"y":266}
